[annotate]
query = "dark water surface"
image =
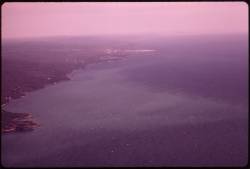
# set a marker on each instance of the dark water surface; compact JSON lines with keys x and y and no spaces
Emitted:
{"x":182,"y":107}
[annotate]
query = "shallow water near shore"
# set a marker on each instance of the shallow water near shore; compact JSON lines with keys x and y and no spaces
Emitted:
{"x":144,"y":110}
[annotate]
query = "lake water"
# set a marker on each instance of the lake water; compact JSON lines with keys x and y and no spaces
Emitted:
{"x":148,"y":109}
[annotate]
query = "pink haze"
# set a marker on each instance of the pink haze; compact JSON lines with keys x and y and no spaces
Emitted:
{"x":39,"y":19}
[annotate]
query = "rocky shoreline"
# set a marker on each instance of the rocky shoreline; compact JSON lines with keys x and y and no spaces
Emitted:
{"x":17,"y":122}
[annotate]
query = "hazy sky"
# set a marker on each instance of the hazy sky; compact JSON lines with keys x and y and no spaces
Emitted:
{"x":37,"y":19}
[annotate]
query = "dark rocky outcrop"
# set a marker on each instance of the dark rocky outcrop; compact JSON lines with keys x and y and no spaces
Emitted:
{"x":17,"y":122}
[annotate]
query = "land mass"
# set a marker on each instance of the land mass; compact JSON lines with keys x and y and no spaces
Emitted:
{"x":29,"y":65}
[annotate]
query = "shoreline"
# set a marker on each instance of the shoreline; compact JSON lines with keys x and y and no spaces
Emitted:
{"x":11,"y":120}
{"x":19,"y":122}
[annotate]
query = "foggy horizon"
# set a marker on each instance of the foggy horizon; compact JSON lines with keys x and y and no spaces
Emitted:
{"x":36,"y":20}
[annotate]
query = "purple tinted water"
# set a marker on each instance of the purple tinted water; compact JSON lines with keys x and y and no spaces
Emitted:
{"x":182,"y":106}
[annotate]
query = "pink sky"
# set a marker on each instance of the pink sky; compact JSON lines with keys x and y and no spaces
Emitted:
{"x":37,"y":19}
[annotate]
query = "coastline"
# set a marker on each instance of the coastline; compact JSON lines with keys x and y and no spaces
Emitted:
{"x":19,"y":122}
